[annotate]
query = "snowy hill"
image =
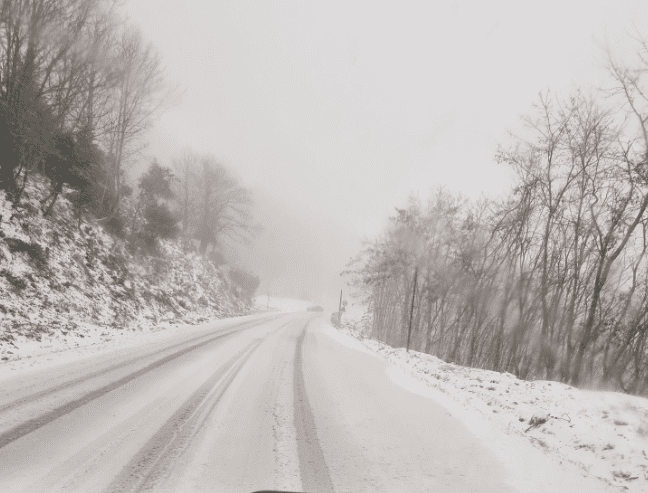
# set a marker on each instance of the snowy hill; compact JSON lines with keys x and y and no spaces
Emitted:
{"x":66,"y":284}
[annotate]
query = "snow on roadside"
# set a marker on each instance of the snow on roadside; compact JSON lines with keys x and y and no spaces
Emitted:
{"x":602,"y":434}
{"x":84,"y":335}
{"x":340,"y":335}
{"x":98,"y":340}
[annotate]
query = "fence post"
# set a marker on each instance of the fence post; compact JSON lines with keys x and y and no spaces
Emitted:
{"x":409,"y":331}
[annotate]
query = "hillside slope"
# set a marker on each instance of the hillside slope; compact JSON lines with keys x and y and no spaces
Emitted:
{"x":62,"y":282}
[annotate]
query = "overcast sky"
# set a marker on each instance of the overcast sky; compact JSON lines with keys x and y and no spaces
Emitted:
{"x":343,"y":108}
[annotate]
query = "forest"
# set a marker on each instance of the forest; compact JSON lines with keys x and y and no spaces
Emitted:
{"x":548,"y":281}
{"x":79,"y":88}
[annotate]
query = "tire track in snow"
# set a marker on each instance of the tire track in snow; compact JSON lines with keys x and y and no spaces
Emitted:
{"x":34,"y":424}
{"x":156,"y":458}
{"x":89,"y":376}
{"x":315,"y":474}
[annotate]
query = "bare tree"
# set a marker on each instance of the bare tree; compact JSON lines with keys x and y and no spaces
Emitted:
{"x":551,"y":282}
{"x":136,"y":99}
{"x":223,"y":206}
{"x":39,"y":79}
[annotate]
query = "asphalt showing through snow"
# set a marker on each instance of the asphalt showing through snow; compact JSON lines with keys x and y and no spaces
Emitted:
{"x":315,"y":475}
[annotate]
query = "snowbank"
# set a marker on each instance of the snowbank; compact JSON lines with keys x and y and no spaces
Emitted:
{"x":602,"y":434}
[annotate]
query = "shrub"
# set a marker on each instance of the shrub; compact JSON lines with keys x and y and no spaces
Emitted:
{"x":116,"y":226}
{"x":18,"y":283}
{"x":39,"y":255}
{"x":17,"y":245}
{"x":36,"y":252}
{"x":160,"y":222}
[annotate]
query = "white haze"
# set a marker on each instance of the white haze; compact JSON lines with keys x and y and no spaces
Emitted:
{"x":336,"y":111}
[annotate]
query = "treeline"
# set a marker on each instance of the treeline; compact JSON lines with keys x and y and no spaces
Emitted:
{"x":198,"y":202}
{"x":550,"y":282}
{"x":78,"y":88}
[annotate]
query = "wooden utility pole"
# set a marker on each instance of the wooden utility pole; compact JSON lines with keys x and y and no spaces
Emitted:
{"x":409,"y":331}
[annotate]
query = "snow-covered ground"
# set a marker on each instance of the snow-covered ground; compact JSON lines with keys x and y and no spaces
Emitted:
{"x":601,"y":434}
{"x":86,"y":339}
{"x":280,"y":304}
{"x":19,"y":351}
{"x":98,"y":341}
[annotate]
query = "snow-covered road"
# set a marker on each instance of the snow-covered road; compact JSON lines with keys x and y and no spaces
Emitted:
{"x":258,"y":402}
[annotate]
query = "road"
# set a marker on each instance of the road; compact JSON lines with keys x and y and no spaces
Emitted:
{"x":259,"y":402}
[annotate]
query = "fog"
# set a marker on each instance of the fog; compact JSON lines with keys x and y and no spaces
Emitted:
{"x":334,"y":112}
{"x":296,"y":255}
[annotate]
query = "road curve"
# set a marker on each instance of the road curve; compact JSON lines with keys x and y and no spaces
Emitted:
{"x":262,"y":402}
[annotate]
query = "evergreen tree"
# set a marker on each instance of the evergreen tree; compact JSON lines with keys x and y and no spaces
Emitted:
{"x":159,"y":222}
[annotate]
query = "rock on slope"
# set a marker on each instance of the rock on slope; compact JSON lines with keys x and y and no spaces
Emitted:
{"x":62,"y":280}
